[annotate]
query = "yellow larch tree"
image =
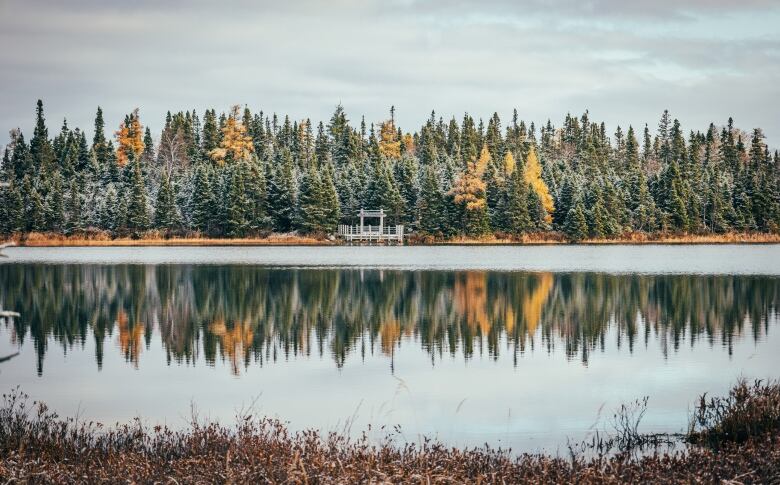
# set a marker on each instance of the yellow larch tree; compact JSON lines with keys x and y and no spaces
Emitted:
{"x":389,"y":144}
{"x":130,"y":139}
{"x":235,"y":144}
{"x":483,"y":161}
{"x":533,"y":175}
{"x":509,"y":163}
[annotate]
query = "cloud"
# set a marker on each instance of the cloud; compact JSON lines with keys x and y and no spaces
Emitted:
{"x":624,"y":61}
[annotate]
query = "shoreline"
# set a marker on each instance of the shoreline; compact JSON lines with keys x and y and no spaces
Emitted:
{"x":155,"y":240}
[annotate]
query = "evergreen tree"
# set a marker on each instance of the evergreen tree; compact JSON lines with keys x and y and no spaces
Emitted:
{"x":73,"y":208}
{"x":203,"y":205}
{"x":281,"y":191}
{"x":518,"y":192}
{"x":311,"y":210}
{"x":330,"y":200}
{"x":40,"y":146}
{"x":14,"y":211}
{"x":576,"y":226}
{"x":54,"y":205}
{"x":165,"y":213}
{"x":137,"y":215}
{"x":431,"y":204}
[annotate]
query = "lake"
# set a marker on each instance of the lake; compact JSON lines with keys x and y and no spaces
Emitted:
{"x":521,"y":347}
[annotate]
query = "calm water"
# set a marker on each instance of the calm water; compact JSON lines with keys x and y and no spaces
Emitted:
{"x":512,"y":346}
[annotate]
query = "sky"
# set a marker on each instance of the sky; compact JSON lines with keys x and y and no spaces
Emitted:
{"x":625,"y":61}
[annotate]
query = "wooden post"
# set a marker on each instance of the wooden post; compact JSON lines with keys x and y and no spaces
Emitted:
{"x":381,"y":221}
{"x":361,"y":221}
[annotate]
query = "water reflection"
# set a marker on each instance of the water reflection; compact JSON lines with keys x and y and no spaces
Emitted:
{"x":250,"y":315}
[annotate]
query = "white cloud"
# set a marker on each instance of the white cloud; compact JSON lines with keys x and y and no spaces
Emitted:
{"x":625,"y":61}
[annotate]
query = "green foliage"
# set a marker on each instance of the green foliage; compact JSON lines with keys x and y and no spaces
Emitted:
{"x":576,"y":226}
{"x":447,"y":179}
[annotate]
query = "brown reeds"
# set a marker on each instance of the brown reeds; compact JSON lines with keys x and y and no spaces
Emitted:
{"x":158,"y":238}
{"x":36,"y":446}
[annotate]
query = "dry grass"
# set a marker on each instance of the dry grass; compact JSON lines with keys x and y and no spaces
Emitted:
{"x":156,"y":238}
{"x":37,"y":446}
{"x":748,"y":410}
{"x":628,"y":238}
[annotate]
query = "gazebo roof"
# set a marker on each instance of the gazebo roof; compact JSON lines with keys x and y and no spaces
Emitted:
{"x":372,"y":213}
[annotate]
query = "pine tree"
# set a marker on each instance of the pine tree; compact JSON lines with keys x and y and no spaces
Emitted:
{"x":311,"y":212}
{"x":203,"y":205}
{"x":73,"y":209}
{"x":137,"y":215}
{"x":257,"y":194}
{"x":576,"y":226}
{"x":281,"y":191}
{"x":330,"y":199}
{"x":42,"y":153}
{"x":431,"y":204}
{"x":14,"y":213}
{"x":54,"y":205}
{"x":165,"y":212}
{"x":234,"y":223}
{"x":518,"y":191}
{"x":35,"y":213}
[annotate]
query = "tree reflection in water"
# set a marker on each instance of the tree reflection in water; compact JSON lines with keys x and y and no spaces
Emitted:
{"x":247,"y":314}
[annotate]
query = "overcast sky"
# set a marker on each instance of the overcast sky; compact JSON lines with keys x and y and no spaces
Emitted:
{"x":624,"y":60}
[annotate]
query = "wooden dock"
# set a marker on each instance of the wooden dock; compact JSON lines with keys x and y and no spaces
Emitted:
{"x":363,"y":233}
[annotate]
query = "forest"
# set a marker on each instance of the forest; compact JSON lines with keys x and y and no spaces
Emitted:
{"x":244,"y":174}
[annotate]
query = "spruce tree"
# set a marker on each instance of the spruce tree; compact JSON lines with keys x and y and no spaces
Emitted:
{"x":281,"y":191}
{"x":576,"y":225}
{"x":14,"y":216}
{"x":431,"y":203}
{"x":311,"y":212}
{"x":518,"y":191}
{"x":235,"y":222}
{"x":40,"y":146}
{"x":203,"y":204}
{"x":54,"y":205}
{"x":74,"y":221}
{"x":137,"y":215}
{"x":330,"y":199}
{"x":165,"y":213}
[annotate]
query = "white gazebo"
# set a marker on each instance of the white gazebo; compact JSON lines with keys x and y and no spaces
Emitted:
{"x":370,"y":233}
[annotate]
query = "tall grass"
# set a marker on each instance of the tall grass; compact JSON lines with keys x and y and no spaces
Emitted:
{"x":749,"y":410}
{"x":37,"y":446}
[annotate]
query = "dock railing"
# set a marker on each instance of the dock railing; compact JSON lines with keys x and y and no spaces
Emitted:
{"x":371,"y":233}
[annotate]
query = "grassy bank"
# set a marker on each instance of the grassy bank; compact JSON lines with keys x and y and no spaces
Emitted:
{"x":37,"y":446}
{"x":155,"y":238}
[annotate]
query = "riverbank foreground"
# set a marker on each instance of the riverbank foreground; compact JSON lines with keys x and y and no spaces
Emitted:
{"x":737,"y":441}
{"x":155,"y":238}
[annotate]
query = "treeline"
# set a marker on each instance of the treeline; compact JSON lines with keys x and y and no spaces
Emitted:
{"x":249,"y":174}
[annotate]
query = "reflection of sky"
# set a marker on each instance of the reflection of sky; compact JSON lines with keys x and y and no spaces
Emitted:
{"x":762,"y":259}
{"x":538,"y":403}
{"x":705,"y":60}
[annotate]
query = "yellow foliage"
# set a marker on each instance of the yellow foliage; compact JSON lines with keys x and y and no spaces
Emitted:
{"x":235,"y":144}
{"x":130,"y":337}
{"x":509,"y":163}
{"x":533,"y":175}
{"x":389,"y":144}
{"x":130,"y":139}
{"x":469,"y":189}
{"x":235,"y":341}
{"x":532,"y":303}
{"x":483,"y":161}
{"x":409,"y":143}
{"x":470,"y":300}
